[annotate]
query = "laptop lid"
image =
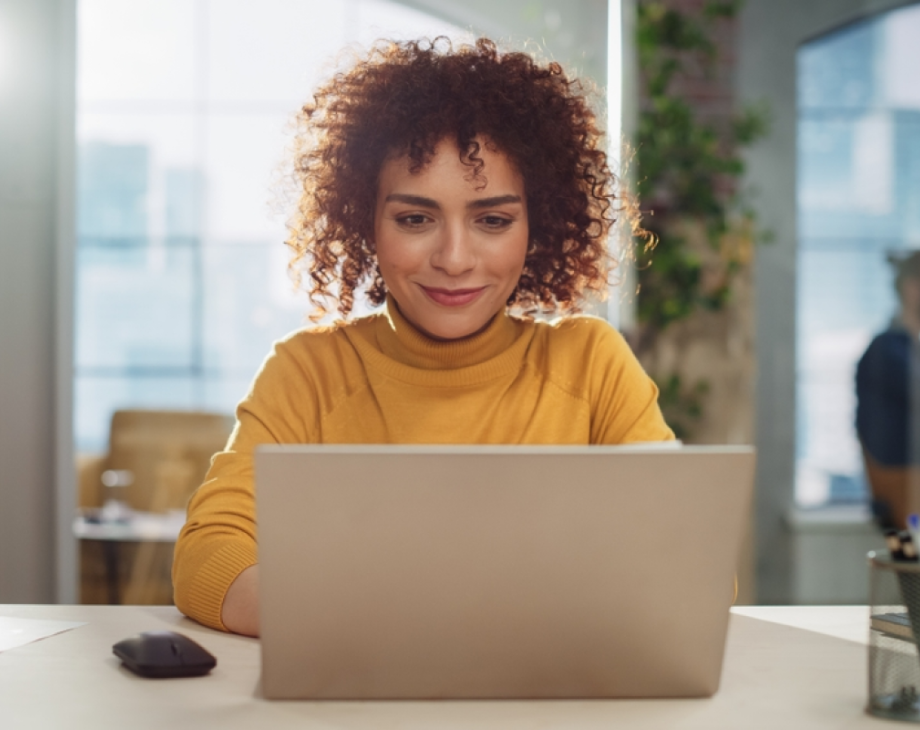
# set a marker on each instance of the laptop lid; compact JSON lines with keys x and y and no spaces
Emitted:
{"x":497,"y":572}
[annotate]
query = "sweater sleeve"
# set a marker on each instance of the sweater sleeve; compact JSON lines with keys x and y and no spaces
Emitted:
{"x":624,"y":399}
{"x":218,"y":541}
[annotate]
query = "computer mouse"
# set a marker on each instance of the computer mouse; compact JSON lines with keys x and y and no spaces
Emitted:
{"x":163,"y":654}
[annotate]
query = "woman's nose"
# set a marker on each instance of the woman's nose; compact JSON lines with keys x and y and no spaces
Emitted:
{"x":454,"y":254}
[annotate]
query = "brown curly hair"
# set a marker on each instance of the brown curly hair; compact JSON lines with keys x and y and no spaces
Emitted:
{"x":404,"y":98}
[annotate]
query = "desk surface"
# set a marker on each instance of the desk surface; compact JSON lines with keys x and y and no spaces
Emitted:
{"x":801,"y":667}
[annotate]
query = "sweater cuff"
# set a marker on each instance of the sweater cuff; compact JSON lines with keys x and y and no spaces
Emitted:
{"x":208,"y":589}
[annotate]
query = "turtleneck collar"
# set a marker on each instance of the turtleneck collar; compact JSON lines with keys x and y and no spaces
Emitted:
{"x":401,"y":341}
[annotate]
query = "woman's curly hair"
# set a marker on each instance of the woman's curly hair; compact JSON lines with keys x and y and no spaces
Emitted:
{"x":404,"y":98}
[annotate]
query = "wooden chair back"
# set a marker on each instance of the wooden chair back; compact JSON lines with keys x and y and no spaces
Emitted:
{"x":167,"y":454}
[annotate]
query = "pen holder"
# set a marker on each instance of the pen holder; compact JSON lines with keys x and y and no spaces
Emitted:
{"x":894,"y":664}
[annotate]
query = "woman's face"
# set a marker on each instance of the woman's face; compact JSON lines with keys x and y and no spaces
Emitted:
{"x":450,"y":249}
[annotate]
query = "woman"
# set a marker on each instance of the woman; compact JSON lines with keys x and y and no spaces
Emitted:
{"x":455,"y":185}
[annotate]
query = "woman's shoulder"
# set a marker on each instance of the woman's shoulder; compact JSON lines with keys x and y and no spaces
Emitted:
{"x":305,"y":374}
{"x":320,"y":346}
{"x":575,"y":350}
{"x":315,"y":338}
{"x":580,"y":331}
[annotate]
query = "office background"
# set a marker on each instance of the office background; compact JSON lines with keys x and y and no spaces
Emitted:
{"x":43,"y":254}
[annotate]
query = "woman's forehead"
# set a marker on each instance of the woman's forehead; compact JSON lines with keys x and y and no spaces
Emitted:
{"x":450,"y":172}
{"x":420,"y":152}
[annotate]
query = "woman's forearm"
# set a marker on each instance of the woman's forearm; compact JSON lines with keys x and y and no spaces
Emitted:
{"x":240,"y":610}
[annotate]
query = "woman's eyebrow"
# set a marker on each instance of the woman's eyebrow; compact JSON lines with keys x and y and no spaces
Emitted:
{"x":412,"y":200}
{"x":423,"y":202}
{"x":490,"y":202}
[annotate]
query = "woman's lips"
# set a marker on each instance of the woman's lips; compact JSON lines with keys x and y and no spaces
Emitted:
{"x":453,"y":297}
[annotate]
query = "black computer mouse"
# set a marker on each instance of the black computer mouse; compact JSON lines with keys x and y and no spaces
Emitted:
{"x":163,"y":654}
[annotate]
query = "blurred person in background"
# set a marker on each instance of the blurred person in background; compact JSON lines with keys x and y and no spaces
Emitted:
{"x":888,"y":396}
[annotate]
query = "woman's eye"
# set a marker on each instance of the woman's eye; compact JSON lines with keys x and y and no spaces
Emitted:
{"x":495,"y":222}
{"x":413,"y":220}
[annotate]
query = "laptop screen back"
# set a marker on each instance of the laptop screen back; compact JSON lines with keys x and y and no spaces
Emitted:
{"x":497,"y":572}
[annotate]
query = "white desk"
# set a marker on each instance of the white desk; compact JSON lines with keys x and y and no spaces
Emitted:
{"x":136,"y":527}
{"x":785,"y":668}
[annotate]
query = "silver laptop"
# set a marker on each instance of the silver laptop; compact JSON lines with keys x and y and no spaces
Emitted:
{"x":497,"y":572}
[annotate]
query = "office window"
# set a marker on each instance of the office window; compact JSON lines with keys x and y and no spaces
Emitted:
{"x":182,"y":115}
{"x":858,"y":202}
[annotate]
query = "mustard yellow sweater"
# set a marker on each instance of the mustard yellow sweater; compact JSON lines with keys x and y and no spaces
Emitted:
{"x":377,"y":380}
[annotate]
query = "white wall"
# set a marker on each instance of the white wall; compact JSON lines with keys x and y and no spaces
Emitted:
{"x":36,"y":67}
{"x":829,"y":549}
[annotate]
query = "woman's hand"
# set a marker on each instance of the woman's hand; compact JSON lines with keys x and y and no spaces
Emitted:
{"x":240,"y":611}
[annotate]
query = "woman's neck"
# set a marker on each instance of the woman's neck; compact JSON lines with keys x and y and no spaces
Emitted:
{"x":400,"y":340}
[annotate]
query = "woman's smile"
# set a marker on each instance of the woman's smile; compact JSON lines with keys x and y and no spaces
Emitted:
{"x":453,"y":297}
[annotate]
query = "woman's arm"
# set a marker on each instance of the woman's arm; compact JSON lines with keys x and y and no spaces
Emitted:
{"x":624,"y":399}
{"x":216,"y":552}
{"x":240,"y":610}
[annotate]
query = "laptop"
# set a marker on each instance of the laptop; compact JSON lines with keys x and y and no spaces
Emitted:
{"x":423,"y":572}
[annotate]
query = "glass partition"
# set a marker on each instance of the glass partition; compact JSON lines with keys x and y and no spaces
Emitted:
{"x":858,"y":216}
